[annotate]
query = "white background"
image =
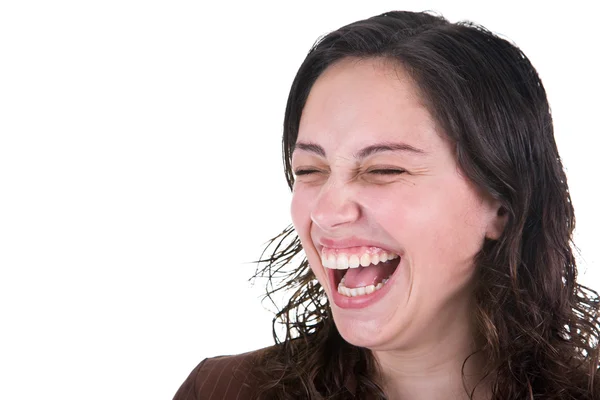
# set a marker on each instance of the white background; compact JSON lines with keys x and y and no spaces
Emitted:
{"x":140,"y":173}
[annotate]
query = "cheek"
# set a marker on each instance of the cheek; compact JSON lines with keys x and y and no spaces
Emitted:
{"x":302,"y":202}
{"x":301,"y":219}
{"x":434,"y":222}
{"x":300,"y":211}
{"x":464,"y":222}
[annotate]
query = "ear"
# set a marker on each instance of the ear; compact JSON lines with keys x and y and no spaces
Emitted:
{"x":497,"y":222}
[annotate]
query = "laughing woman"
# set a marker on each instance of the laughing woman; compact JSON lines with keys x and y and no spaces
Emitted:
{"x":433,"y":252}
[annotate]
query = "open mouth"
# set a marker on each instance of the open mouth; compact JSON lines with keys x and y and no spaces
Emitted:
{"x":359,"y":271}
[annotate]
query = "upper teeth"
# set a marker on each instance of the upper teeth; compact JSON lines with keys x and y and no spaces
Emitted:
{"x":343,"y":261}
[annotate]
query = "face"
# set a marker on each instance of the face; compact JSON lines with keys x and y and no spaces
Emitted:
{"x":389,"y":224}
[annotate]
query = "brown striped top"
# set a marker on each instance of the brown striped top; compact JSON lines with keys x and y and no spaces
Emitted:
{"x":220,"y":378}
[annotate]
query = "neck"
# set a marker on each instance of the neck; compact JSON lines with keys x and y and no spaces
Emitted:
{"x":433,"y":369}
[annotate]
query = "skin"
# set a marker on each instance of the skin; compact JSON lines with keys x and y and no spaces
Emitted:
{"x":422,"y":330}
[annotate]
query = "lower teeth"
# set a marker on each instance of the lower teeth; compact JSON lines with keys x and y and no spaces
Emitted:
{"x":359,"y":291}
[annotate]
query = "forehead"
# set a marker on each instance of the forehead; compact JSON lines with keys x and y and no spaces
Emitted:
{"x":356,"y":102}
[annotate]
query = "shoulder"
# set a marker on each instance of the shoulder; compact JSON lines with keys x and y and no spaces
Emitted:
{"x":223,"y":378}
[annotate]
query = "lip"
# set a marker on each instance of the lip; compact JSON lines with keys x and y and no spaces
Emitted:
{"x":366,"y":300}
{"x":347,"y":243}
{"x":363,"y":301}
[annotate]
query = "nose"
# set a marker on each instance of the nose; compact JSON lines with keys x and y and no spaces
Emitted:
{"x":334,"y":207}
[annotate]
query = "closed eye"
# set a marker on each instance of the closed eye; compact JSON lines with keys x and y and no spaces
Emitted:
{"x":387,"y":171}
{"x":300,"y":172}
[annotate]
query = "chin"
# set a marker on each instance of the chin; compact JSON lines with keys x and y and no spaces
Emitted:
{"x":373,"y":329}
{"x":359,"y":333}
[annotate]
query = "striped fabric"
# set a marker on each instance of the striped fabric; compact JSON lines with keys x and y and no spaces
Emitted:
{"x":220,"y":378}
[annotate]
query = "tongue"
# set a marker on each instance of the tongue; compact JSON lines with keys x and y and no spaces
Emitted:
{"x":372,"y":275}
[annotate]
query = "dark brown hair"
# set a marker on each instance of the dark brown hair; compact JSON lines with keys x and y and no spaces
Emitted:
{"x":539,"y":327}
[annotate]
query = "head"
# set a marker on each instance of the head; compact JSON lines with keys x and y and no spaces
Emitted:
{"x":374,"y":173}
{"x":408,"y":135}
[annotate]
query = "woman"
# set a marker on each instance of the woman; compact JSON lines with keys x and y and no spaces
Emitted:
{"x":431,"y":204}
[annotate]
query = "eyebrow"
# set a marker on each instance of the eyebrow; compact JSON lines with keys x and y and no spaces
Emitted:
{"x":362,"y":153}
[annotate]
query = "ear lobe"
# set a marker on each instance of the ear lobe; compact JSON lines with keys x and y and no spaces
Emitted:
{"x":497,"y":223}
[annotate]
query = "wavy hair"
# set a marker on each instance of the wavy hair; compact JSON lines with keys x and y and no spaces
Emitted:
{"x":539,"y":326}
